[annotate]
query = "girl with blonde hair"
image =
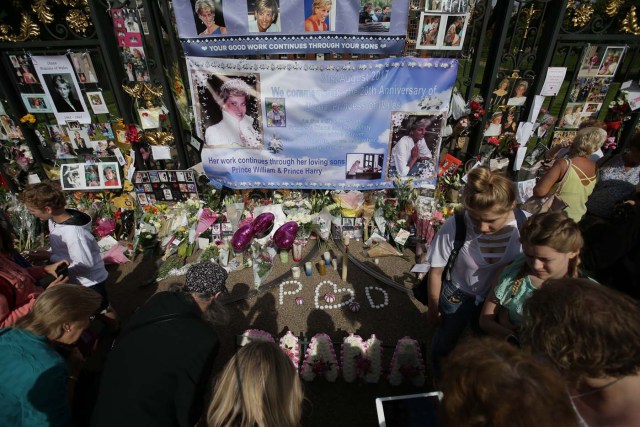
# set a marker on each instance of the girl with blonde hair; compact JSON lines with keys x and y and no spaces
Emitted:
{"x":491,"y":242}
{"x":36,"y":383}
{"x":551,"y":243}
{"x":259,"y":387}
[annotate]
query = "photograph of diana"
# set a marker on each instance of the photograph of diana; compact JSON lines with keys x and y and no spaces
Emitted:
{"x":263,"y":16}
{"x":63,"y":93}
{"x":414,"y":146}
{"x":208,"y":18}
{"x":230,"y":112}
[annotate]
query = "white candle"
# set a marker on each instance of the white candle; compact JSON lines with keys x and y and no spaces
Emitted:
{"x":295,"y":271}
{"x":327,"y":258}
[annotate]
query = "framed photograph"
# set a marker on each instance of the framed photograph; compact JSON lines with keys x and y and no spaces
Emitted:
{"x":610,"y":61}
{"x":110,"y":175}
{"x":429,"y":31}
{"x":454,"y":32}
{"x":536,"y":154}
{"x":96,"y":101}
{"x":591,"y":60}
{"x":36,"y":103}
{"x":563,"y":138}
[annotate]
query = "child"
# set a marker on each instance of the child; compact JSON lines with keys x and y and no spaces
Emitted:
{"x":551,"y":243}
{"x":70,"y":236}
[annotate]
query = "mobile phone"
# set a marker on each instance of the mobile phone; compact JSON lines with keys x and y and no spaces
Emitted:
{"x":62,"y":270}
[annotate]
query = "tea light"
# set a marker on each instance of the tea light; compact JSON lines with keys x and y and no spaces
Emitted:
{"x":308,"y":268}
{"x":327,"y":258}
{"x":295,"y":271}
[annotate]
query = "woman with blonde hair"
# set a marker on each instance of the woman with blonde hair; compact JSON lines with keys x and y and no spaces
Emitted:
{"x":580,"y":173}
{"x":551,"y":243}
{"x":36,"y":383}
{"x":491,"y":241}
{"x":259,"y":387}
{"x":317,"y":21}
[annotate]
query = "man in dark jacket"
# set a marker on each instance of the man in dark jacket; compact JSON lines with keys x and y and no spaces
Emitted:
{"x":159,"y":369}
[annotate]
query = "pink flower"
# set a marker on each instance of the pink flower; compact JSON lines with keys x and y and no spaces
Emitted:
{"x":438,"y":215}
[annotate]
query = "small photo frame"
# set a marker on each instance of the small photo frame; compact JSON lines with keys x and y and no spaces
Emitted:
{"x":96,"y":101}
{"x":36,"y":103}
{"x":429,"y":31}
{"x":110,"y":175}
{"x":536,"y":154}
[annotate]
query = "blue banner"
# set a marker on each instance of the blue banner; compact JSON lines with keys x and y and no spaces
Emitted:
{"x":255,"y":27}
{"x":320,"y":124}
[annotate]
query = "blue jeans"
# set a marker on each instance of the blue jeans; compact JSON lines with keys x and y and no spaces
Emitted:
{"x":457,"y":310}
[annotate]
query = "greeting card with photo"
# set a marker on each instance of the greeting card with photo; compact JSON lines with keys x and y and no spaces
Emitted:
{"x":96,"y":101}
{"x":36,"y":103}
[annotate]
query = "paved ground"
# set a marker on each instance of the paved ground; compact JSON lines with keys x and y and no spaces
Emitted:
{"x":336,"y":404}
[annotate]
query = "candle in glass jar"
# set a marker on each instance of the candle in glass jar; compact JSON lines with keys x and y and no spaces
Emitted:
{"x":327,"y":258}
{"x":308,"y":268}
{"x":295,"y":272}
{"x":322,"y":268}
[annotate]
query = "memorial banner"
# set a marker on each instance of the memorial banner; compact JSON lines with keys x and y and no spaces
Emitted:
{"x":255,"y":27}
{"x":318,"y":124}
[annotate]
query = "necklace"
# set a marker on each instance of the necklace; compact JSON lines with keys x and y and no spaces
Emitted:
{"x":595,"y":390}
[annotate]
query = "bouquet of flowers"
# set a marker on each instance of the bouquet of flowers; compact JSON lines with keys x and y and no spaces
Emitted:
{"x":289,"y":344}
{"x":320,"y":359}
{"x":360,"y":359}
{"x":407,"y":364}
{"x":618,"y":112}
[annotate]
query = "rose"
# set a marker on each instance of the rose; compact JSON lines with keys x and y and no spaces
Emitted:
{"x":493,"y":141}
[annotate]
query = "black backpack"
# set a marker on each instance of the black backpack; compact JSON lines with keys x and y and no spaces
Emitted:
{"x":421,"y":290}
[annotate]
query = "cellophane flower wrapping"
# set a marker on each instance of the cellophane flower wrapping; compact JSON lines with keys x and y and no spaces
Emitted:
{"x":350,"y":202}
{"x":407,"y":364}
{"x":320,"y":359}
{"x":262,"y":257}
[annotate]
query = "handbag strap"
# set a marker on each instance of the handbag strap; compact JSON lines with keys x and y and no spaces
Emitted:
{"x":461,"y":234}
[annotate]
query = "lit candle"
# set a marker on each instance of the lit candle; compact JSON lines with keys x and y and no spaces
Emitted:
{"x":327,"y":258}
{"x":295,"y":271}
{"x":308,"y":268}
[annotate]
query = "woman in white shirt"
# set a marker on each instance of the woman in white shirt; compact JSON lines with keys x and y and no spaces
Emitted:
{"x":491,"y":242}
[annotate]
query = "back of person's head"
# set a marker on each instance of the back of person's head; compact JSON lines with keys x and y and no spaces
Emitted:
{"x":205,"y":282}
{"x":557,"y":231}
{"x":593,"y":123}
{"x":584,"y":329}
{"x":588,"y":141}
{"x":58,"y":305}
{"x":258,"y":387}
{"x":488,"y":190}
{"x":487,"y":382}
{"x":42,"y":195}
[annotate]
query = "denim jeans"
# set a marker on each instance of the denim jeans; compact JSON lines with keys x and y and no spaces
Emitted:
{"x":457,"y":310}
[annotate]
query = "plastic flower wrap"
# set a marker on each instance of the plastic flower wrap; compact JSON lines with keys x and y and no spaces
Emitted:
{"x":360,"y":359}
{"x":350,"y":202}
{"x":407,"y":364}
{"x":289,"y":344}
{"x":320,"y":359}
{"x":262,"y":263}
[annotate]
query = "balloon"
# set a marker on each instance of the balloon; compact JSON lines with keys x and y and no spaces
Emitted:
{"x":242,"y":238}
{"x":263,"y":224}
{"x":285,"y":235}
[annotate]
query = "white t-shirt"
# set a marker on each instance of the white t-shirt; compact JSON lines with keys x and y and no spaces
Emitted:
{"x":471,"y":272}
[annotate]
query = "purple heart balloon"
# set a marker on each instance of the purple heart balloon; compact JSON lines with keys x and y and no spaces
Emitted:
{"x":285,"y":235}
{"x":242,"y":238}
{"x":262,"y":224}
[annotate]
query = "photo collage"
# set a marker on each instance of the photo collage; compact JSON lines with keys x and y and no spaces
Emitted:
{"x":164,"y":186}
{"x":597,"y":69}
{"x":74,"y":140}
{"x":126,"y":23}
{"x":443,"y":25}
{"x":90,"y":176}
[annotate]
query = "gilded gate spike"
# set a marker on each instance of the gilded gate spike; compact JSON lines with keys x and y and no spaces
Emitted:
{"x":146,"y":91}
{"x":611,"y":9}
{"x":28,"y":29}
{"x":582,"y":15}
{"x":158,"y":138}
{"x":43,"y":11}
{"x":68,"y":3}
{"x":630,"y":23}
{"x":78,"y":21}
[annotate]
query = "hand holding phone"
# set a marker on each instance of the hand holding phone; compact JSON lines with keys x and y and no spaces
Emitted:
{"x":62,"y":270}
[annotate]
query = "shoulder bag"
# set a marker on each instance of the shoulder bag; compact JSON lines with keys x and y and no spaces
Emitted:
{"x":550,"y":202}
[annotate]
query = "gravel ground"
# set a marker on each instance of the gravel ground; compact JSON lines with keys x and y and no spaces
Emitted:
{"x":339,"y":403}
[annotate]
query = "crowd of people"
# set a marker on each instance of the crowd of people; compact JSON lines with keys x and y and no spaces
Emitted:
{"x":556,"y":338}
